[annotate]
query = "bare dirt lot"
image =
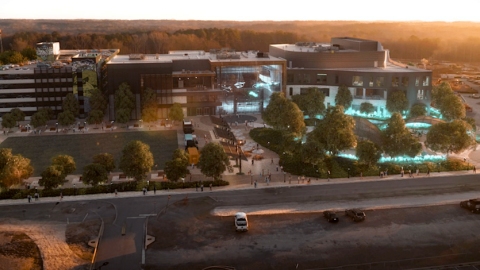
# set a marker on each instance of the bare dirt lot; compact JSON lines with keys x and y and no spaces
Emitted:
{"x":78,"y":235}
{"x":188,"y":237}
{"x":18,"y":251}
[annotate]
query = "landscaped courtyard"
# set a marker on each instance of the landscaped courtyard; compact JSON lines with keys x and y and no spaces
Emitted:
{"x":82,"y":147}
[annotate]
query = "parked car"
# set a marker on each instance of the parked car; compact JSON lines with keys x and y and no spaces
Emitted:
{"x":241,"y":222}
{"x":330,"y":216}
{"x":355,"y":214}
{"x":472,"y":205}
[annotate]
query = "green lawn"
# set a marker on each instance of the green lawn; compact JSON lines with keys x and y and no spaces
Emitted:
{"x":82,"y":147}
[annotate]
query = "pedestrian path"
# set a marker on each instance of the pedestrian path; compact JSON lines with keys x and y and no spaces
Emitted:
{"x":237,"y":182}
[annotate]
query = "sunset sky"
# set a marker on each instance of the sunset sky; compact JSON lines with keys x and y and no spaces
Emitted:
{"x":246,"y":10}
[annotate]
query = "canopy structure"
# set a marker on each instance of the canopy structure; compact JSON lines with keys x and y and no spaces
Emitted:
{"x":423,"y":122}
{"x":368,"y":130}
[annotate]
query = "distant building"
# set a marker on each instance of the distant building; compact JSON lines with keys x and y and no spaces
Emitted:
{"x":46,"y":82}
{"x":364,"y":66}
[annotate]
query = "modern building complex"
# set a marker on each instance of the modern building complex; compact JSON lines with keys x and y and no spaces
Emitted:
{"x":204,"y":83}
{"x":214,"y":82}
{"x":364,"y":66}
{"x":46,"y":82}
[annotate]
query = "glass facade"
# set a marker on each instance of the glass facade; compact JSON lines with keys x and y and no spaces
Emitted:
{"x":247,"y":89}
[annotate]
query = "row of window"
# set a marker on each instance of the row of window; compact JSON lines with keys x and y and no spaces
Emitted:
{"x":50,"y":98}
{"x":360,"y":93}
{"x":364,"y":81}
{"x":51,"y":80}
{"x":56,"y":89}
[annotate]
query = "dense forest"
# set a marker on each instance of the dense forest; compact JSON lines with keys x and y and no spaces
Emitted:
{"x":457,"y":41}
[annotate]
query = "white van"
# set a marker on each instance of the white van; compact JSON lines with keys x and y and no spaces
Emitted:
{"x":241,"y":222}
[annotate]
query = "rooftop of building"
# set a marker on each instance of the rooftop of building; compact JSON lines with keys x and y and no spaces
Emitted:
{"x":337,"y":44}
{"x":25,"y":69}
{"x":216,"y":57}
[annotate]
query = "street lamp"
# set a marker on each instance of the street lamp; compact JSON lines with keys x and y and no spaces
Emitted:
{"x":284,"y":176}
{"x":438,"y":167}
{"x":85,"y":126}
{"x":348,"y":172}
{"x":57,"y":126}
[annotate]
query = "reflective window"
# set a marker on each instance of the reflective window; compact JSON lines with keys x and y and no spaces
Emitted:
{"x":420,"y":94}
{"x":370,"y":81}
{"x":357,"y":81}
{"x":321,"y":78}
{"x":395,"y":81}
{"x":417,"y":81}
{"x":380,"y":81}
{"x":404,"y":81}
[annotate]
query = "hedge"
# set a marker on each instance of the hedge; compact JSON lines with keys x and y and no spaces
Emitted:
{"x":108,"y":188}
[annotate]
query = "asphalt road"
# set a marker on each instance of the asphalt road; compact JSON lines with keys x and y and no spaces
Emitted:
{"x":125,"y":252}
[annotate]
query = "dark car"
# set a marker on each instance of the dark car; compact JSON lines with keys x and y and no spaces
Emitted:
{"x":330,"y":216}
{"x":472,"y":205}
{"x":355,"y":214}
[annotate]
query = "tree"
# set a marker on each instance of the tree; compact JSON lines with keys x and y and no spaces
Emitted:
{"x":368,"y":153}
{"x":335,"y":132}
{"x":106,"y":160}
{"x":312,"y":152}
{"x":65,"y":163}
{"x":70,"y":103}
{"x":397,"y":102}
{"x":149,"y":106}
{"x":471,"y":122}
{"x":312,"y":104}
{"x":95,"y":117}
{"x":94,"y":174}
{"x":12,"y":57}
{"x":136,"y":160}
{"x":282,"y":114}
{"x":123,"y":116}
{"x":52,"y":177}
{"x":177,"y":167}
{"x":47,"y":111}
{"x":452,"y":137}
{"x":149,"y":98}
{"x":397,"y":139}
{"x":418,"y":110}
{"x":124,"y":102}
{"x":13,"y":168}
{"x":8,"y":121}
{"x":66,"y":118}
{"x":367,"y":108}
{"x":450,"y":106}
{"x":38,"y":120}
{"x":213,"y":160}
{"x":97,"y":100}
{"x":176,"y":112}
{"x":18,"y":114}
{"x":344,"y":97}
{"x":29,"y":53}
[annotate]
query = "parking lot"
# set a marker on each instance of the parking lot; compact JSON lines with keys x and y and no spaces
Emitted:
{"x":189,"y":237}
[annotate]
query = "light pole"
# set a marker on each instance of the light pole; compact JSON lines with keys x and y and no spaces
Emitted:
{"x":284,"y":177}
{"x":57,"y":126}
{"x":85,"y":126}
{"x":468,"y":165}
{"x":348,"y":172}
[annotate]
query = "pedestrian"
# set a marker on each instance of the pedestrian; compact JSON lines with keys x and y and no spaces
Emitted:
{"x":196,"y":187}
{"x":381,"y":174}
{"x":210,"y":186}
{"x":36,"y":196}
{"x":144,"y":191}
{"x":201,"y":187}
{"x":257,"y":146}
{"x":277,"y":168}
{"x":386,"y":172}
{"x":361,"y":175}
{"x":298,"y":178}
{"x":268,"y":181}
{"x":272,"y":161}
{"x":308,"y":182}
{"x":281,"y":168}
{"x":328,"y":176}
{"x":401,"y":172}
{"x":474,"y":169}
{"x":303,"y":179}
{"x":115,"y":192}
{"x":410,"y":173}
{"x":418,"y":172}
{"x":255,"y":183}
{"x":428,"y":172}
{"x":252,"y":161}
{"x":154,"y":189}
{"x":29,"y":198}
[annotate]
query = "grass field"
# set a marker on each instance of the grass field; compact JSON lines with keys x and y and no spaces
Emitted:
{"x":82,"y":147}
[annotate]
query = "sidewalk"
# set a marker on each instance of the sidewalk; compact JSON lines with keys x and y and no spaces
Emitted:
{"x":237,"y":182}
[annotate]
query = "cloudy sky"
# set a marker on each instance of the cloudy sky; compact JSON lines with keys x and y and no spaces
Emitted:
{"x":245,"y":10}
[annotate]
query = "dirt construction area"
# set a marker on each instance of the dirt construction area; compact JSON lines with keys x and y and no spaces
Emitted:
{"x":189,"y":237}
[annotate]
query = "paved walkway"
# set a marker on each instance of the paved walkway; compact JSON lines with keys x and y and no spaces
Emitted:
{"x":237,"y":182}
